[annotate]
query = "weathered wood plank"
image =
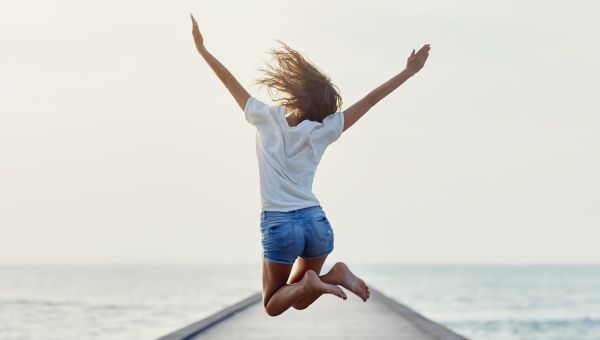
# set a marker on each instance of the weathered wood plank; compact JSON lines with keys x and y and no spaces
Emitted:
{"x":199,"y":326}
{"x":328,"y":318}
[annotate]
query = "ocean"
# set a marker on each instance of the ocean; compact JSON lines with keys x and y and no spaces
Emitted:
{"x":490,"y":302}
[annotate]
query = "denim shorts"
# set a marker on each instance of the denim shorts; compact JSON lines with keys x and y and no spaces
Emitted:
{"x":303,"y":232}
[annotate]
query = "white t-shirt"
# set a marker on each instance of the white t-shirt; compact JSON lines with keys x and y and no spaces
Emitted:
{"x":288,"y":155}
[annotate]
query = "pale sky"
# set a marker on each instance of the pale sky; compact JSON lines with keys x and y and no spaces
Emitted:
{"x":118,"y":144}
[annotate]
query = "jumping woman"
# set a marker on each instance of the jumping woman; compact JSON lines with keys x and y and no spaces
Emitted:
{"x":290,"y":141}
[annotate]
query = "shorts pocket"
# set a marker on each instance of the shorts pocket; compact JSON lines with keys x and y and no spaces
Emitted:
{"x":281,"y":234}
{"x":322,"y":227}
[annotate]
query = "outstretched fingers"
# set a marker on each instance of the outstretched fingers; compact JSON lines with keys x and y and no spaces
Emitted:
{"x":424,"y":50}
{"x":198,"y":39}
{"x":423,"y":53}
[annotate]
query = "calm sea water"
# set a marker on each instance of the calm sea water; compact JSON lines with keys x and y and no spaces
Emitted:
{"x":145,"y":302}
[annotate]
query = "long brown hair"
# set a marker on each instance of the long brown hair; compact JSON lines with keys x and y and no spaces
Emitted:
{"x":305,"y":88}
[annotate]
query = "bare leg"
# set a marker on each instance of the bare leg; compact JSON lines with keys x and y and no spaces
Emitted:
{"x":339,"y":274}
{"x":278,"y":296}
{"x":303,"y":265}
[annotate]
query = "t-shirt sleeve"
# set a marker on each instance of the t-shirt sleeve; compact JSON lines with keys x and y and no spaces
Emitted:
{"x":333,"y":126}
{"x":256,"y":111}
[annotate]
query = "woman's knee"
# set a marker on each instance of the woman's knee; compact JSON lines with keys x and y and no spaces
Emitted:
{"x":300,"y":306}
{"x":270,"y":311}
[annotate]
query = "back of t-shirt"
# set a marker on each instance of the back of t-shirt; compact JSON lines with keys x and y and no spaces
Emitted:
{"x":288,"y":155}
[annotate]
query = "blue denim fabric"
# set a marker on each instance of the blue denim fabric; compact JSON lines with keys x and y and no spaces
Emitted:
{"x":304,"y":232}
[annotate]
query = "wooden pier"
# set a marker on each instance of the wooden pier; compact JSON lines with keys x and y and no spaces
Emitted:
{"x":327,"y":318}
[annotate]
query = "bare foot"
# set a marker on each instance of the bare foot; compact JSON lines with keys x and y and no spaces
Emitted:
{"x":313,"y":283}
{"x":342,"y":275}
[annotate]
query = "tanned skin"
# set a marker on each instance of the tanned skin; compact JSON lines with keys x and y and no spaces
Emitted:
{"x":300,"y":289}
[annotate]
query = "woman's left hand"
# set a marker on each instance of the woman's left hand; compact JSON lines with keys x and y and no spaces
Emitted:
{"x":198,"y":39}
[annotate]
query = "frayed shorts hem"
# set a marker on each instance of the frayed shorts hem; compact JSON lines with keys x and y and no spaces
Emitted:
{"x":277,"y":261}
{"x":318,"y":256}
{"x":304,"y":257}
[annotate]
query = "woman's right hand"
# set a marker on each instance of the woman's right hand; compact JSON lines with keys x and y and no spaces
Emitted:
{"x":416,"y":61}
{"x":198,"y":39}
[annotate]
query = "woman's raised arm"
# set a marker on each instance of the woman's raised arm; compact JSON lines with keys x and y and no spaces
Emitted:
{"x":414,"y":63}
{"x":235,"y":88}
